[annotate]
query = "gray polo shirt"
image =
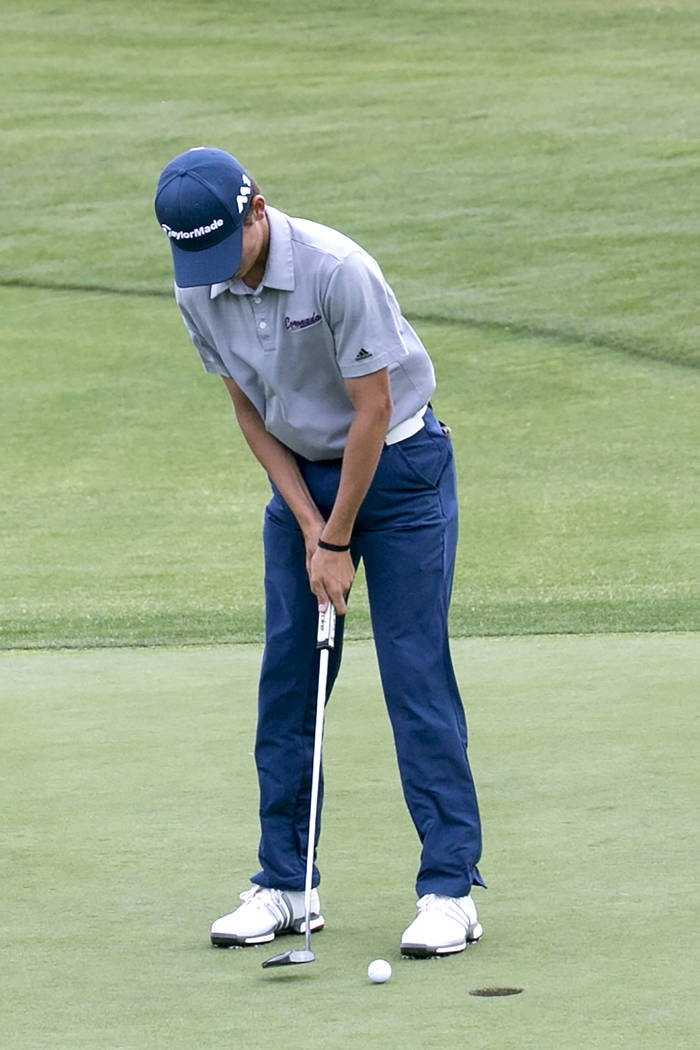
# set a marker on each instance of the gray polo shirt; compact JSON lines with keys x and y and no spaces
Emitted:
{"x":322,"y":313}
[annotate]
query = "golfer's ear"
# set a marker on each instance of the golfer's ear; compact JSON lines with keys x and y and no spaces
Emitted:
{"x":257,"y":206}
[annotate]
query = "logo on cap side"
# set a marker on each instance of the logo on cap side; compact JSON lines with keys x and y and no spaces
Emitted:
{"x":185,"y":235}
{"x":243,"y":193}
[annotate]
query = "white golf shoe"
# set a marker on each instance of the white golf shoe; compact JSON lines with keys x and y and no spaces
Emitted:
{"x":263,"y":914}
{"x":442,"y":926}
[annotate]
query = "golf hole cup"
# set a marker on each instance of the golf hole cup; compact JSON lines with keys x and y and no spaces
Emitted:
{"x":379,"y":971}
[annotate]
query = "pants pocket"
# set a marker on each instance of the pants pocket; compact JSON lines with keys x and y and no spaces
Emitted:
{"x":425,"y":456}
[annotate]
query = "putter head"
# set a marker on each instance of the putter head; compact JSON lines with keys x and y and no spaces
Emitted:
{"x":301,"y":955}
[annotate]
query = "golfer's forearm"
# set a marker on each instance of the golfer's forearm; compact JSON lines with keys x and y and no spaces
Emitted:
{"x":362,"y":451}
{"x":277,"y":461}
{"x":283,"y":471}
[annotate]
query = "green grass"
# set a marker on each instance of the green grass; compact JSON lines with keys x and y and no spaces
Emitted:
{"x":135,"y":510}
{"x":130,"y":823}
{"x":508,"y":164}
{"x":526,"y":177}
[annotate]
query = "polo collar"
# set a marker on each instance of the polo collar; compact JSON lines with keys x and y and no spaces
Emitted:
{"x":279,"y":271}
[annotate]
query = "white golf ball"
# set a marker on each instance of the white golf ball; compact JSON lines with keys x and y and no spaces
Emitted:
{"x":379,"y":971}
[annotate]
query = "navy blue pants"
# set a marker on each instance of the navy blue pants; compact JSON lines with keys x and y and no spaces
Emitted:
{"x":406,"y":535}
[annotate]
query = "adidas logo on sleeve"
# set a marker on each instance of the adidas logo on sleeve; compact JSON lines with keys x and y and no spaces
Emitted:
{"x":363,"y":355}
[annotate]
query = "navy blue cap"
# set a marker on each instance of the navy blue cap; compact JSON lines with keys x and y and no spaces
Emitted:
{"x":200,"y":202}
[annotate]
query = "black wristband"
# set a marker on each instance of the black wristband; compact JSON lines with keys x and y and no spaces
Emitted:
{"x":337,"y":548}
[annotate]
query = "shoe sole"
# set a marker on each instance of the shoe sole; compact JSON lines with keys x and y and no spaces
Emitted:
{"x":223,"y":940}
{"x":425,"y":951}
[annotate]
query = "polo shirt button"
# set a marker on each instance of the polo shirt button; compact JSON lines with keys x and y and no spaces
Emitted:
{"x":263,"y":324}
{"x":257,"y":299}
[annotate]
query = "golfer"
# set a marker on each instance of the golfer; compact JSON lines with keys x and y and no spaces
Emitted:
{"x":331,"y":386}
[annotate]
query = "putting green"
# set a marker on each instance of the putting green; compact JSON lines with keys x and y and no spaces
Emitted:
{"x":130,"y":824}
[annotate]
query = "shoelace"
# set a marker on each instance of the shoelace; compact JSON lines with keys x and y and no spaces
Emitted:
{"x":262,"y":898}
{"x":432,"y":900}
{"x":450,"y":907}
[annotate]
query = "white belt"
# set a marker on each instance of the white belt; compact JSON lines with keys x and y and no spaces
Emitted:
{"x":407,"y":429}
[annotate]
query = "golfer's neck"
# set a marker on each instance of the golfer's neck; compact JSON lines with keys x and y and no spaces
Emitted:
{"x":257,"y":271}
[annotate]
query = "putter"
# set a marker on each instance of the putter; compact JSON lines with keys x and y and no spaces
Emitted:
{"x":325,"y":639}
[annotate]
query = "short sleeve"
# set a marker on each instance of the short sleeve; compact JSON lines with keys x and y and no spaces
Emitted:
{"x":364,"y":317}
{"x":209,"y":356}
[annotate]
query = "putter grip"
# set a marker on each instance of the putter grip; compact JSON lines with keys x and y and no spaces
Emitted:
{"x":325,"y":636}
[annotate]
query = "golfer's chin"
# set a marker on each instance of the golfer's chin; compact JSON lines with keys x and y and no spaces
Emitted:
{"x":244,"y":268}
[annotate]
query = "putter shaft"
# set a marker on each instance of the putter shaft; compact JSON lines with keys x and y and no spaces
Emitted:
{"x":325,"y":639}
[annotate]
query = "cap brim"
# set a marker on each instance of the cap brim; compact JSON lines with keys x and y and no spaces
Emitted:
{"x":209,"y":266}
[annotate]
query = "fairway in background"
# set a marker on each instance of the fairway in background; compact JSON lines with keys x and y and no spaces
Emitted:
{"x":526,"y":177}
{"x":134,"y":510}
{"x":507,"y":163}
{"x":131,"y":823}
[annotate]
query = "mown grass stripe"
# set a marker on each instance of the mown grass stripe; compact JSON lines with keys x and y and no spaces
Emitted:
{"x":512,"y":327}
